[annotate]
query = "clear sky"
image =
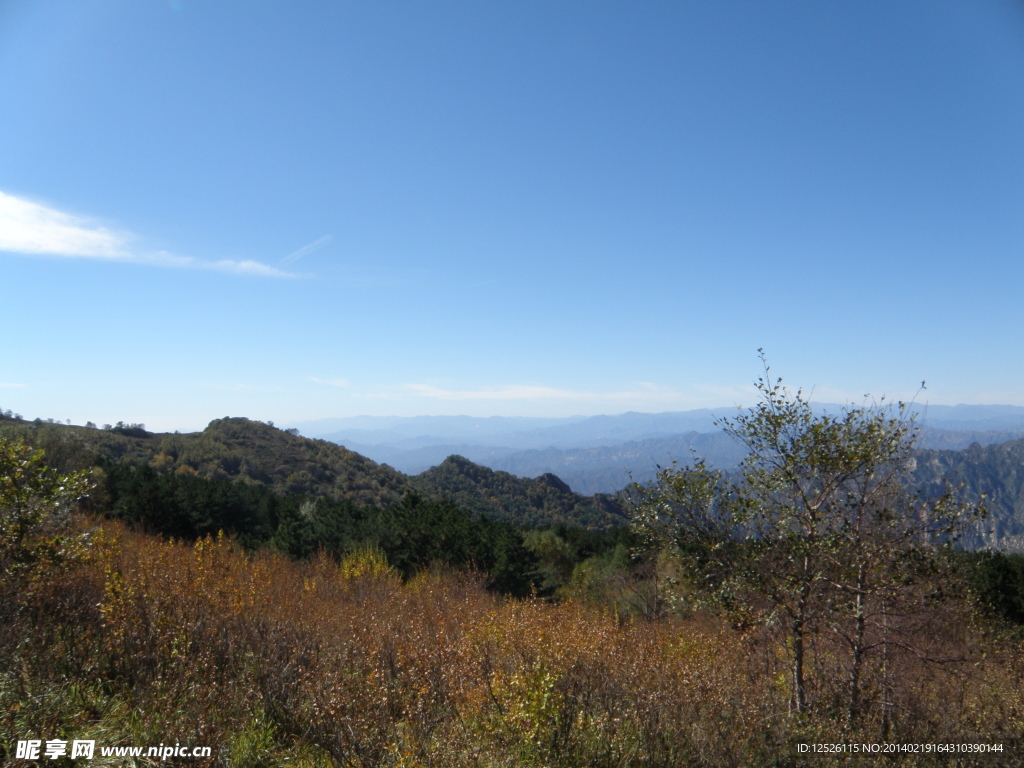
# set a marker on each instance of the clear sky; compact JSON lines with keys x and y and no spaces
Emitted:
{"x":296,"y":210}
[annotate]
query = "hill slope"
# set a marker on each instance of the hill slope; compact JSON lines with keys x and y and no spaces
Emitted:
{"x":252,"y":452}
{"x":542,"y":500}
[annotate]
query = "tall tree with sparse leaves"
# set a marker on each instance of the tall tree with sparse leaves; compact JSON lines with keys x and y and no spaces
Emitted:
{"x":816,"y":532}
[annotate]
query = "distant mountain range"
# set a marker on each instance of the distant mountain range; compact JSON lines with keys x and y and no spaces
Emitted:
{"x":602,"y":454}
{"x":416,"y":432}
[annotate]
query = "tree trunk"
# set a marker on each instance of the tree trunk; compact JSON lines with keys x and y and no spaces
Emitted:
{"x":799,"y":629}
{"x":857,"y":652}
{"x":886,"y":703}
{"x":799,"y":691}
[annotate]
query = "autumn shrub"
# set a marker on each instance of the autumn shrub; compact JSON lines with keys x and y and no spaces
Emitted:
{"x":328,"y":663}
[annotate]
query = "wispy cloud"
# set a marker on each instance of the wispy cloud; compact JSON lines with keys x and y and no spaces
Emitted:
{"x":508,"y":392}
{"x":36,"y":230}
{"x":643,"y":393}
{"x":306,"y":249}
{"x":330,"y":382}
{"x":244,"y":267}
{"x":8,"y":385}
{"x":242,"y":387}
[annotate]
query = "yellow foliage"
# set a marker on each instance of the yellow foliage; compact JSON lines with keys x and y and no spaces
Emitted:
{"x":367,"y":562}
{"x":327,"y":664}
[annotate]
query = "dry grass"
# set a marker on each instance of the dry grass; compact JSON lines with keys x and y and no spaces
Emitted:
{"x":321,"y":664}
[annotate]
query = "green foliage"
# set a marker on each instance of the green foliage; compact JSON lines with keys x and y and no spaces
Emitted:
{"x":268,"y":487}
{"x":555,"y":558}
{"x":35,"y":504}
{"x":366,"y":562}
{"x":254,"y":453}
{"x":542,"y":501}
{"x":596,"y":565}
{"x":420,"y":532}
{"x":186,"y":506}
{"x":413,"y":534}
{"x":130,"y":430}
{"x":998,"y":580}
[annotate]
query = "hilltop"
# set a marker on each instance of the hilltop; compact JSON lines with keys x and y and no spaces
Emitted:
{"x":256,"y":453}
{"x":544,"y":500}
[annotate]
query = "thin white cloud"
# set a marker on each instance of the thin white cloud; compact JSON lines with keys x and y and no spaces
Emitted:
{"x":245,"y":267}
{"x":509,"y":392}
{"x":7,"y":385}
{"x":306,"y":249}
{"x":645,"y":392}
{"x":164,"y":259}
{"x":35,"y":230}
{"x":329,"y":382}
{"x":241,"y":387}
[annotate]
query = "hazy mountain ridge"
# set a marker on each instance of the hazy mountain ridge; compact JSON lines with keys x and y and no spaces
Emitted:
{"x":502,"y":432}
{"x":997,"y":471}
{"x":525,"y":433}
{"x":982,"y":418}
{"x":602,"y":454}
{"x":608,"y":469}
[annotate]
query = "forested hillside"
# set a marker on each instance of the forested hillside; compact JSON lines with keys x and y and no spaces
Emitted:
{"x":271,"y":489}
{"x":540,"y":501}
{"x":254,"y":453}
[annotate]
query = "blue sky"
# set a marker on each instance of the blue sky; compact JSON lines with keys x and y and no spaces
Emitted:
{"x":291,"y":211}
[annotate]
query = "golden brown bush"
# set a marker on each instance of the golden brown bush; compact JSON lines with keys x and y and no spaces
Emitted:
{"x":263,"y":659}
